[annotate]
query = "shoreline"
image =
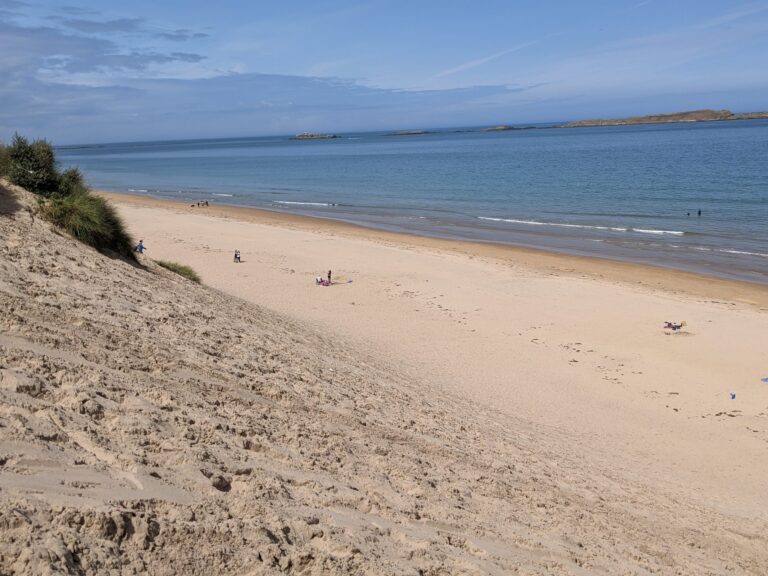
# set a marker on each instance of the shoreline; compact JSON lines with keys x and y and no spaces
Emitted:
{"x":649,"y":276}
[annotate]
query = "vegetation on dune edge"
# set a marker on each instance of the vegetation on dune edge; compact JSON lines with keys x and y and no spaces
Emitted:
{"x":65,"y":199}
{"x":91,"y":220}
{"x":180,"y":269}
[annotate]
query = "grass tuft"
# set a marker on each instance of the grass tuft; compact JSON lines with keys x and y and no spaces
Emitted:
{"x":180,"y":269}
{"x":91,"y":220}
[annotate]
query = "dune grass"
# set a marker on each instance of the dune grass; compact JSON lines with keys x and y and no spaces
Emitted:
{"x":180,"y":269}
{"x":91,"y":220}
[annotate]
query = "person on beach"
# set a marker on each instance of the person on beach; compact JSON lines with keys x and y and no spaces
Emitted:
{"x":329,"y":278}
{"x":140,"y":247}
{"x":237,"y":256}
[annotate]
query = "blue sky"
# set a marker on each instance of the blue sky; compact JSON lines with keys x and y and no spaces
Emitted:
{"x":104,"y":71}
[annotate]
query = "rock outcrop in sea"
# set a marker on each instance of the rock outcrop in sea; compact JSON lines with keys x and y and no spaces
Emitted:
{"x":313,"y":136}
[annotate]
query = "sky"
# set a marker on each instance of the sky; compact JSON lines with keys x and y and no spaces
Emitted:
{"x":109,"y":71}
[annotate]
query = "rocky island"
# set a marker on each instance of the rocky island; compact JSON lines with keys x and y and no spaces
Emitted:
{"x":504,"y":128}
{"x":313,"y":136}
{"x":408,"y":133}
{"x":705,"y":115}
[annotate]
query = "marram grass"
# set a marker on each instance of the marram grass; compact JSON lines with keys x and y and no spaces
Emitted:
{"x":91,"y":220}
{"x":180,"y":269}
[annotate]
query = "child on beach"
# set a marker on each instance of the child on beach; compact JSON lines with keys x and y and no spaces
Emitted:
{"x":140,"y":247}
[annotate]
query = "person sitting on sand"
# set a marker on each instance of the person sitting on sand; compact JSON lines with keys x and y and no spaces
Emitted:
{"x":673,"y":326}
{"x":140,"y":247}
{"x":237,"y":256}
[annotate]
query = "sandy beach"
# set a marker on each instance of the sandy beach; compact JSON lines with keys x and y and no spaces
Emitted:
{"x":576,"y":344}
{"x":442,"y":408}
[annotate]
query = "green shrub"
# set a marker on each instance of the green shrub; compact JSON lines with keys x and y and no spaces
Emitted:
{"x":33,"y":166}
{"x":71,"y":181}
{"x":69,"y":204}
{"x":90,"y":219}
{"x":180,"y":269}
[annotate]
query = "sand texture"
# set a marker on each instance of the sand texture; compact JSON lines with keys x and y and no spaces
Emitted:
{"x":152,"y":425}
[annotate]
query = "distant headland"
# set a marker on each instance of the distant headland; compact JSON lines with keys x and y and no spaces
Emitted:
{"x":705,"y":115}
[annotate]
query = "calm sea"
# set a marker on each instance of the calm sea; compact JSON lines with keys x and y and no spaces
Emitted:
{"x":632,"y":193}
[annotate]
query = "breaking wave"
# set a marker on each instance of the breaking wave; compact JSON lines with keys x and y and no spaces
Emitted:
{"x":585,"y":226}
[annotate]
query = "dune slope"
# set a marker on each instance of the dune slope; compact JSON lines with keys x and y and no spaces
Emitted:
{"x":149,"y":424}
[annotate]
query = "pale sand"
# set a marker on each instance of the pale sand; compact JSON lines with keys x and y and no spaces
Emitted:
{"x":436,"y":426}
{"x":572,"y":343}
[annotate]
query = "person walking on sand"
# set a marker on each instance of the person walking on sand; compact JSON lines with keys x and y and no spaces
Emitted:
{"x":237,"y":256}
{"x":329,"y":277}
{"x":140,"y":247}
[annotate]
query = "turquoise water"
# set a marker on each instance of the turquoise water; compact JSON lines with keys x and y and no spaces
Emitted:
{"x":620,"y":192}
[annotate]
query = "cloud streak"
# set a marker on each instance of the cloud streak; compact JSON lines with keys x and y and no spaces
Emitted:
{"x":480,"y":61}
{"x":104,"y":27}
{"x":128,"y":26}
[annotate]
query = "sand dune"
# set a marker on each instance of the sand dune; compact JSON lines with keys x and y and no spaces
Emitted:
{"x":151,"y":425}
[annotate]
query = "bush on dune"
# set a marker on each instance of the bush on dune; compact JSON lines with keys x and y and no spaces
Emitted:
{"x":67,"y":201}
{"x":180,"y":269}
{"x":71,"y":181}
{"x":33,"y":166}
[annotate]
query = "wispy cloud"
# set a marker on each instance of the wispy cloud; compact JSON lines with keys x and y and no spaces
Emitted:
{"x":128,"y":26}
{"x":77,"y":11}
{"x":106,"y":26}
{"x":34,"y":52}
{"x":179,"y":35}
{"x":480,"y":61}
{"x":743,"y":12}
{"x":671,"y":60}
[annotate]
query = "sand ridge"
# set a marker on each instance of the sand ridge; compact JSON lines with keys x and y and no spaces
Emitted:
{"x":152,"y":425}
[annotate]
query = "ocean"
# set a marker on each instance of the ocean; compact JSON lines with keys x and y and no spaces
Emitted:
{"x":624,"y":192}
